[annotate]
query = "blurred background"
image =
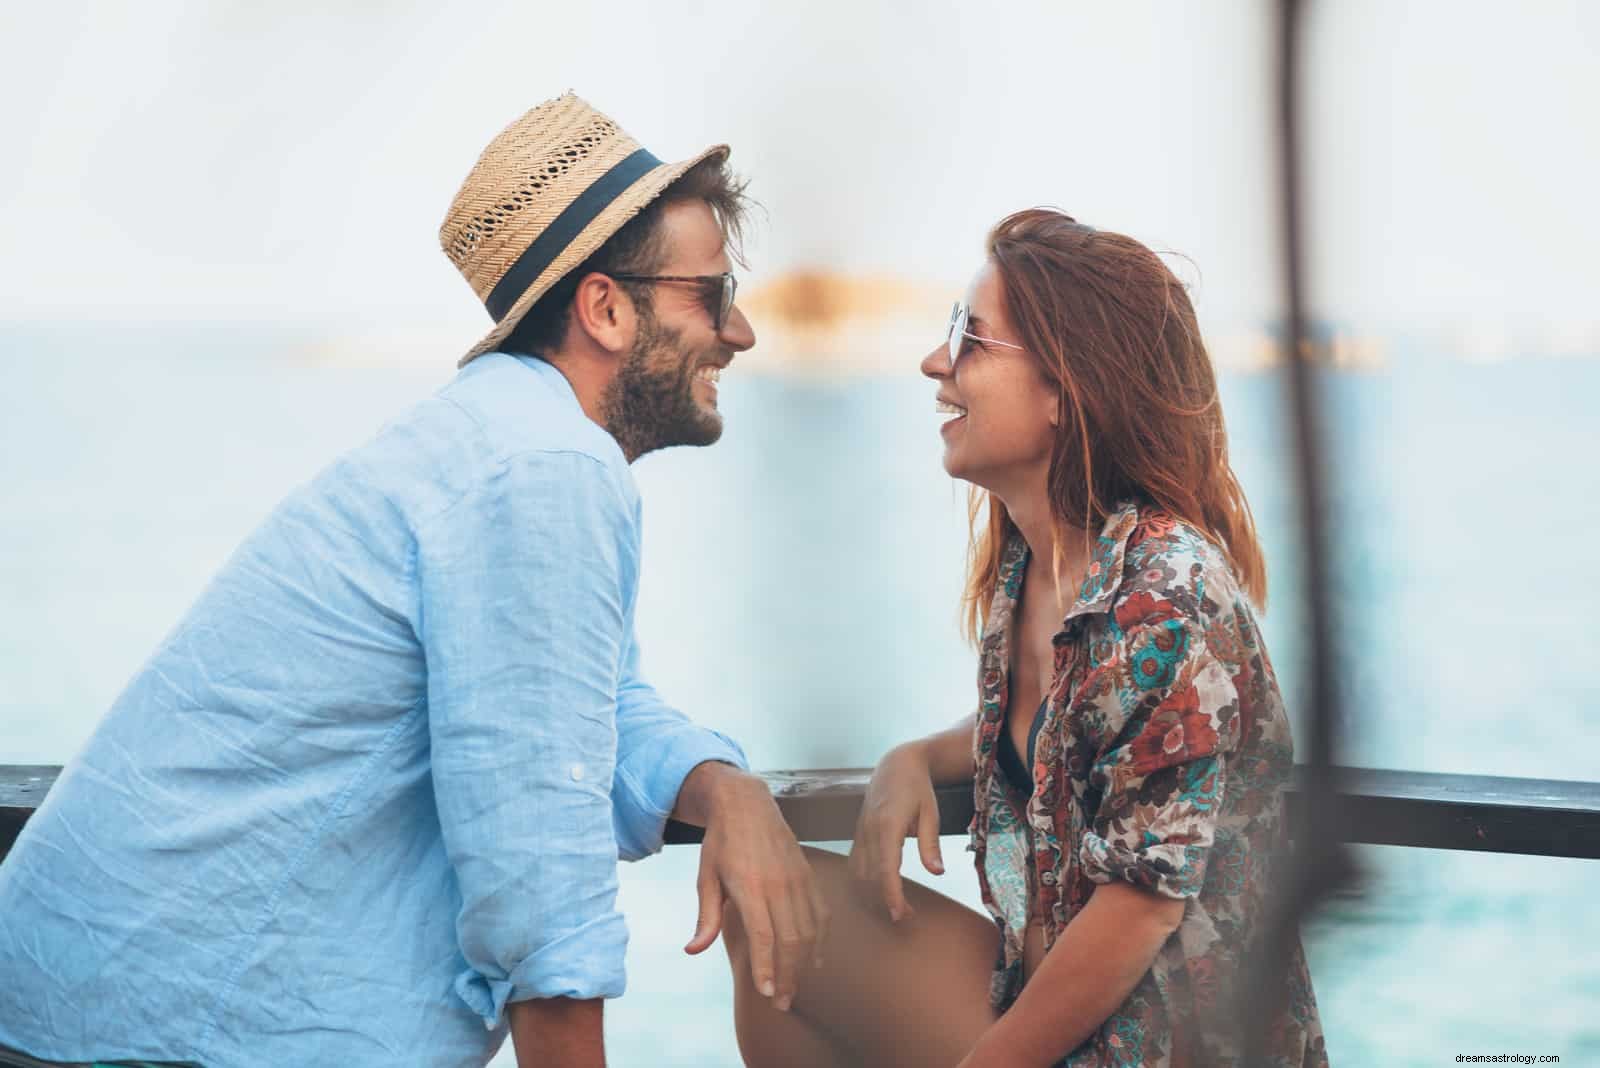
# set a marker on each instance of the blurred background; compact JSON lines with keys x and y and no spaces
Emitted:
{"x":219,"y":268}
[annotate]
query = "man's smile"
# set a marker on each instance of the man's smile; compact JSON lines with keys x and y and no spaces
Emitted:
{"x":710,"y":373}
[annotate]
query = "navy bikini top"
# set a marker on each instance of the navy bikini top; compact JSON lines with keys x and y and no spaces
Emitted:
{"x":1020,"y":775}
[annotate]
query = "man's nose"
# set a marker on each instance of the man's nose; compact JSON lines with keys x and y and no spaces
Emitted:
{"x":737,"y":333}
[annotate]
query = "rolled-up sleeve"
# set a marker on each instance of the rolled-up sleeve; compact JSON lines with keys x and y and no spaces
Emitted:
{"x":657,"y":748}
{"x":525,"y":593}
{"x":1161,"y":781}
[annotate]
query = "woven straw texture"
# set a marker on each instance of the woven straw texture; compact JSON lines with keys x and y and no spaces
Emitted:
{"x":524,"y":179}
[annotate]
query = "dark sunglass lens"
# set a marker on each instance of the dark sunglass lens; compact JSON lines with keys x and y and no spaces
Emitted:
{"x":711,"y":297}
{"x":719,"y":300}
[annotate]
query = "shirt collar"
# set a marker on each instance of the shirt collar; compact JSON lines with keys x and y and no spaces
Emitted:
{"x":1104,"y":577}
{"x":552,"y":377}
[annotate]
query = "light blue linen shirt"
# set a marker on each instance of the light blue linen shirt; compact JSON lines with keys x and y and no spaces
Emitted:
{"x":375,"y":784}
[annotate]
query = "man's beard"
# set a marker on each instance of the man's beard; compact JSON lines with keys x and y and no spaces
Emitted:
{"x":650,"y":404}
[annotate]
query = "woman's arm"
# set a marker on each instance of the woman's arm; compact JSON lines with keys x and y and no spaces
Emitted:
{"x":949,"y":753}
{"x":901,"y":801}
{"x":1092,"y":968}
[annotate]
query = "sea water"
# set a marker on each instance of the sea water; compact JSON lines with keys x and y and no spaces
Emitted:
{"x":800,"y":589}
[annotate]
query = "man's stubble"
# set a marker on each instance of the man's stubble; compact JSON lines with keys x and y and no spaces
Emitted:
{"x":650,"y":404}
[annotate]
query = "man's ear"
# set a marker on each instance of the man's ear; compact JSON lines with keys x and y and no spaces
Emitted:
{"x":604,"y":312}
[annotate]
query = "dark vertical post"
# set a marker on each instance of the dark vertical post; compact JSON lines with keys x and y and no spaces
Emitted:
{"x":1321,"y":861}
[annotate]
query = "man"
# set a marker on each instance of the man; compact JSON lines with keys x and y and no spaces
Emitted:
{"x":364,"y":805}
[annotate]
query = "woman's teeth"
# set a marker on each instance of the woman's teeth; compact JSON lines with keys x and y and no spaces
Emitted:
{"x":948,"y":409}
{"x":709,"y":373}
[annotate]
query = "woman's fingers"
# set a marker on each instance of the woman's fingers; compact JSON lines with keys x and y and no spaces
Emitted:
{"x":900,"y":801}
{"x":857,"y":860}
{"x":888,"y":877}
{"x":928,"y":835}
{"x":864,"y":849}
{"x":875,"y":863}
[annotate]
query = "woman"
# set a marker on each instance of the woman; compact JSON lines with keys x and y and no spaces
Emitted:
{"x":1130,"y":742}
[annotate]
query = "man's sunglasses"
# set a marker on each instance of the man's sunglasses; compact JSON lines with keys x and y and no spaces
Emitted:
{"x":717,"y":290}
{"x":957,"y":336}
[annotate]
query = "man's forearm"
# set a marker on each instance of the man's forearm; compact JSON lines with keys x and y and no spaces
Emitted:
{"x":709,"y":785}
{"x":558,"y":1033}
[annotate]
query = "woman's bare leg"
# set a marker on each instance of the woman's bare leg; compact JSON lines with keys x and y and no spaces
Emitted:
{"x":914,"y":992}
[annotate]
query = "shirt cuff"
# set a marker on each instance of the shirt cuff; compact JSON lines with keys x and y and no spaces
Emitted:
{"x":647,"y":789}
{"x":1170,"y":869}
{"x":583,"y":963}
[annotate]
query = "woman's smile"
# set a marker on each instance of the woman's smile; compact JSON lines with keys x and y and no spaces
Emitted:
{"x":945,"y":407}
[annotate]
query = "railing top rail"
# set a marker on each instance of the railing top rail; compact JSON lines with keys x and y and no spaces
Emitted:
{"x":1428,"y":810}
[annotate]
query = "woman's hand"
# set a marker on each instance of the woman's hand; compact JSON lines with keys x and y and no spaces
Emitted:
{"x":900,"y":802}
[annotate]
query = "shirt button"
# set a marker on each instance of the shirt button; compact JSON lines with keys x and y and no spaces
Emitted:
{"x":577,"y":773}
{"x":488,"y":1025}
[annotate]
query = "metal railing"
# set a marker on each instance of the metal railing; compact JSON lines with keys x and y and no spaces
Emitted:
{"x":1480,"y":813}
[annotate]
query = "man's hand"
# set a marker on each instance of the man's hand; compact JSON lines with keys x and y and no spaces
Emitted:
{"x":750,"y":859}
{"x":900,"y":802}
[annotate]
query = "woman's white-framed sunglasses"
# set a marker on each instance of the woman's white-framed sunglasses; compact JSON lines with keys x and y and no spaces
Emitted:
{"x":957,"y":336}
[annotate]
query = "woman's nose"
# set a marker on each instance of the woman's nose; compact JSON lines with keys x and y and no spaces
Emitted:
{"x":936,"y":364}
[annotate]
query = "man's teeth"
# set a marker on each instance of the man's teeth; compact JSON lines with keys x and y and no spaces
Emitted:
{"x":946,"y":408}
{"x":709,"y":373}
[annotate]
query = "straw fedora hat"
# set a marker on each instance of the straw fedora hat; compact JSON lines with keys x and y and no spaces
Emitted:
{"x":547,"y":192}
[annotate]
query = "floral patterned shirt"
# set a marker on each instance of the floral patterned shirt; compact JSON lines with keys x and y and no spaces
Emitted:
{"x":1160,"y":762}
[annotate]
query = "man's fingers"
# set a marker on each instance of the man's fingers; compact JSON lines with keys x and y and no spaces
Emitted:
{"x":928,"y":837}
{"x":709,"y":924}
{"x":792,"y":948}
{"x":758,"y":932}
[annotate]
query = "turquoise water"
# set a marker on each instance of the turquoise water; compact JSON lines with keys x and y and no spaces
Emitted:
{"x":800,"y":589}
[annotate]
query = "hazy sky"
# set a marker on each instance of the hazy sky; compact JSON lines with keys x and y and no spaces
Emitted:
{"x":291,"y":161}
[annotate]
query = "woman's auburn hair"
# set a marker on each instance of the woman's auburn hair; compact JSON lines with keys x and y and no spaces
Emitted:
{"x":1113,"y":331}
